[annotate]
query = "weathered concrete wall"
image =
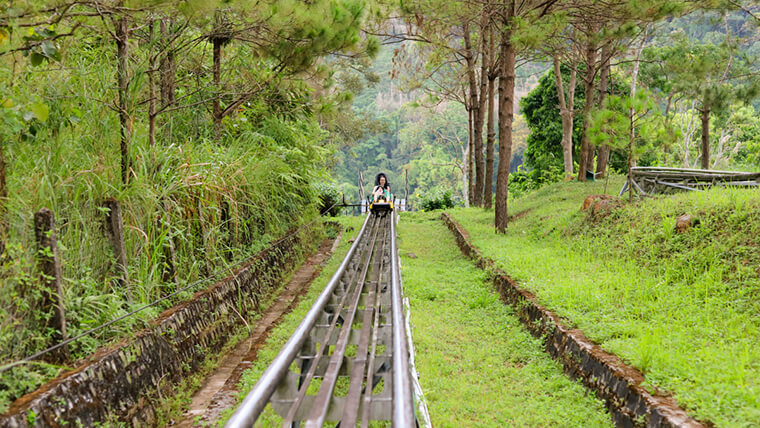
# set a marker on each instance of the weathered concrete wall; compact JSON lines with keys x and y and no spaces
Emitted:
{"x":630,"y":404}
{"x":120,"y":383}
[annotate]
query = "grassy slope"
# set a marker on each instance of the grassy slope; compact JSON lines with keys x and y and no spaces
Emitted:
{"x":478,"y":366}
{"x":683,"y":308}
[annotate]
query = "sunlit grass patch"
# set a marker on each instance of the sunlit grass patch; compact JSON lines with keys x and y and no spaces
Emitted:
{"x":680,"y":307}
{"x":478,"y":366}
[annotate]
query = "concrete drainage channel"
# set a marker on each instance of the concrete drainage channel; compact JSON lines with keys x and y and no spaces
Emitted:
{"x":120,"y":383}
{"x":618,"y":384}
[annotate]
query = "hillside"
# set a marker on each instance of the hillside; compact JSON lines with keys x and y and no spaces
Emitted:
{"x":681,"y":307}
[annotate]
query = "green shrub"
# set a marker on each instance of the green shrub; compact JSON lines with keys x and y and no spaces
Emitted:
{"x":329,"y":198}
{"x":438,"y":199}
{"x":522,"y":182}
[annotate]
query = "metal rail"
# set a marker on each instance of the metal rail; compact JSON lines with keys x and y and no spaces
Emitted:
{"x":354,"y":331}
{"x":403,"y":405}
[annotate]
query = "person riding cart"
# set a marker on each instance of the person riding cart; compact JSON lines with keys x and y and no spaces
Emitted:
{"x":382,"y":190}
{"x":381,"y":199}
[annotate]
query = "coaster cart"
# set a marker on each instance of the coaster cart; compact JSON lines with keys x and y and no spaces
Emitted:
{"x":381,"y":207}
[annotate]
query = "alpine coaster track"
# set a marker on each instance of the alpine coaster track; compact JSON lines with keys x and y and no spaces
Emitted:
{"x":347,"y":363}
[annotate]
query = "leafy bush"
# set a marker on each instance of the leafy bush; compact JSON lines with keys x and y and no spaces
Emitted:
{"x":522,"y":181}
{"x":329,"y":198}
{"x":438,"y":199}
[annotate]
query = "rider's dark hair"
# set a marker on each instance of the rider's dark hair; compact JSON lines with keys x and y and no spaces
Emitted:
{"x":377,"y":180}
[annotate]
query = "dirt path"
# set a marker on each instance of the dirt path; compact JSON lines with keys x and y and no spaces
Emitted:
{"x":219,"y":389}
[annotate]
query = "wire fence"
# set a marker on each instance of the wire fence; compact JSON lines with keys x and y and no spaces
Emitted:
{"x":226,"y":269}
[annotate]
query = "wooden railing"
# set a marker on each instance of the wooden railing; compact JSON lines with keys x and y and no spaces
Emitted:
{"x":658,"y":180}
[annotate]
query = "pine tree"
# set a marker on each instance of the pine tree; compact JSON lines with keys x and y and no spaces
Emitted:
{"x":714,"y":76}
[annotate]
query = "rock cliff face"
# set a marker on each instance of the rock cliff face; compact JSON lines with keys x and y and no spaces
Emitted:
{"x":121,"y":383}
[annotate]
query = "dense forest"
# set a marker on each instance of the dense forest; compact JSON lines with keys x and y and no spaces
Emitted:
{"x":198,"y":127}
{"x":423,"y":129}
{"x":159,"y":142}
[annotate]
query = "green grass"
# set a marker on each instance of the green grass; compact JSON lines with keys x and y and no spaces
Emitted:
{"x":478,"y":366}
{"x":683,"y":308}
{"x":282,"y":332}
{"x":509,"y":382}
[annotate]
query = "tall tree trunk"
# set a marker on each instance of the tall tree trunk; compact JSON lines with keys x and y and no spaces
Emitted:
{"x":705,"y":116}
{"x":477,"y":103}
{"x":567,"y":113}
{"x":480,"y":162}
{"x":168,"y":66}
{"x":465,"y":175}
{"x":3,"y":201}
{"x":586,"y":155}
{"x":217,"y":109}
{"x":152,"y":90}
{"x":604,"y":78}
{"x":473,"y":112}
{"x":506,"y":115}
{"x":122,"y":74}
{"x":470,"y":188}
{"x":490,"y":140}
{"x":631,"y":114}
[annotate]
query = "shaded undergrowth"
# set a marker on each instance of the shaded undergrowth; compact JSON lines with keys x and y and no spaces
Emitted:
{"x":190,"y":210}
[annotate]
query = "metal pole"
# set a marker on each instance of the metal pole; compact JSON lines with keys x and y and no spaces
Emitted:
{"x":403,"y":401}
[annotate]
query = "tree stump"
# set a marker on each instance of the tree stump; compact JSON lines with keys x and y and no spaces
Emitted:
{"x":685,"y":222}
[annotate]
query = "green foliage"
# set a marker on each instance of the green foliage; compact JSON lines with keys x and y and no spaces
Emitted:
{"x":261,"y":178}
{"x":611,"y":125}
{"x":43,"y":47}
{"x":714,"y":75}
{"x":19,"y":381}
{"x":215,"y":201}
{"x":522,"y":182}
{"x":541,"y":110}
{"x":438,"y":198}
{"x":329,"y":197}
{"x":426,"y":143}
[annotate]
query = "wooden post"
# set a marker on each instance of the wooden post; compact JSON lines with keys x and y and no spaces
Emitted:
{"x":361,"y":193}
{"x":122,"y":30}
{"x":169,"y":273}
{"x":227,"y":225}
{"x":406,"y":190}
{"x":49,"y":265}
{"x":115,"y":232}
